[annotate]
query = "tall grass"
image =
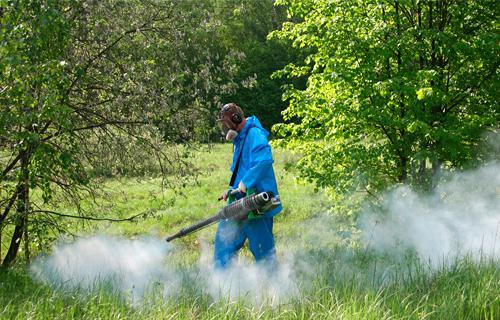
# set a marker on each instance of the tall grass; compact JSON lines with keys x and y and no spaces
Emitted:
{"x":344,"y":281}
{"x":465,"y":291}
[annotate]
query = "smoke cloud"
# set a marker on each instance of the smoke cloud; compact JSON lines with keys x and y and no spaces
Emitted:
{"x":129,"y":267}
{"x":259,"y":284}
{"x":133,"y":268}
{"x":462,"y":217}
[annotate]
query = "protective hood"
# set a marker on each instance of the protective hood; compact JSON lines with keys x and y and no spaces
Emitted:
{"x":256,"y":161}
{"x":252,"y":122}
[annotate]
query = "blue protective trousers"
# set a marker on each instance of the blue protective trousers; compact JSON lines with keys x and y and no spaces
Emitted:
{"x":231,"y":236}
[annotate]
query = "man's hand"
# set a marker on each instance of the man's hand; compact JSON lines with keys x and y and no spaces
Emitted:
{"x":226,"y":193}
{"x":224,"y":196}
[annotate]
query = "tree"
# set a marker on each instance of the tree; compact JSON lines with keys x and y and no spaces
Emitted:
{"x":396,"y":89}
{"x":83,"y":76}
{"x":243,"y":27}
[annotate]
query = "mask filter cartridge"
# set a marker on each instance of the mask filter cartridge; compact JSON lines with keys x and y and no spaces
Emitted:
{"x":231,"y":135}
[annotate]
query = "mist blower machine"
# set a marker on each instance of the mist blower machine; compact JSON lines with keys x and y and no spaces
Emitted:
{"x":251,"y":206}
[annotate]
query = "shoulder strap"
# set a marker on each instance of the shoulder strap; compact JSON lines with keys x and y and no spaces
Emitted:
{"x":235,"y":171}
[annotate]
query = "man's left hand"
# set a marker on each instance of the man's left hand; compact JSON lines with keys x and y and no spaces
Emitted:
{"x":242,"y":188}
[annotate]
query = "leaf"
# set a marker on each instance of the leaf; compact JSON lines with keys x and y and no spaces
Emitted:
{"x":423,"y":93}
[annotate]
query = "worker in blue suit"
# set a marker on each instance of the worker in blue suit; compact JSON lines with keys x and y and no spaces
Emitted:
{"x":252,"y":168}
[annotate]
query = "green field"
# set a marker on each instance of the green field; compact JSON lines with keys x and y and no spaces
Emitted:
{"x":331,"y":275}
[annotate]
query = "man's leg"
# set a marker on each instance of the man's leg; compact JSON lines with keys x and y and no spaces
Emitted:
{"x":261,"y":239}
{"x":229,"y":238}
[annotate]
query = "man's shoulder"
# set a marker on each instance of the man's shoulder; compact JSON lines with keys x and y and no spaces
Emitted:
{"x":256,"y":133}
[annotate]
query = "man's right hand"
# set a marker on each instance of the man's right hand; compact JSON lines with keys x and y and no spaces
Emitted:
{"x":226,"y":194}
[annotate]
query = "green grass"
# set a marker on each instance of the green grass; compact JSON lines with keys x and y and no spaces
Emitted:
{"x":344,"y":280}
{"x":466,"y":291}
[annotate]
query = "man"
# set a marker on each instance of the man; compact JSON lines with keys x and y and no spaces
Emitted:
{"x":252,"y":168}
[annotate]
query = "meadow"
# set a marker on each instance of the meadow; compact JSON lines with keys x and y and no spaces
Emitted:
{"x":333,"y":275}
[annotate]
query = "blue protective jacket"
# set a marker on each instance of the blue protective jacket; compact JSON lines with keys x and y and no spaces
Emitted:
{"x":256,"y":163}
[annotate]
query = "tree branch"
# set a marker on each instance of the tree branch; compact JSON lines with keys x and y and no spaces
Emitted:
{"x":455,"y":101}
{"x":103,"y":51}
{"x":93,"y":126}
{"x":131,"y":218}
{"x":10,"y":166}
{"x":11,"y":202}
{"x":408,"y":15}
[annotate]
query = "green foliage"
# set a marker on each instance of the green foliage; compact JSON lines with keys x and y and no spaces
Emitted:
{"x":395,"y":89}
{"x":242,"y":27}
{"x":88,"y":86}
{"x":342,"y":281}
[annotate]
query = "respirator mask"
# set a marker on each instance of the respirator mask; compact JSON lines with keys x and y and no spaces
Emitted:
{"x":231,"y":135}
{"x":228,"y":133}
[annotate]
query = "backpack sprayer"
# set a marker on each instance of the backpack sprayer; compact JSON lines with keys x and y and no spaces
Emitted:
{"x":249,"y":207}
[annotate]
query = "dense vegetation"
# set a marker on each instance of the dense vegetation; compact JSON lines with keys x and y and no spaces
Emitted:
{"x":396,"y":90}
{"x":341,"y":281}
{"x":103,"y":88}
{"x":105,"y":106}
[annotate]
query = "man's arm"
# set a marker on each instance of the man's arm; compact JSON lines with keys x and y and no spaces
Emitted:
{"x":260,"y":159}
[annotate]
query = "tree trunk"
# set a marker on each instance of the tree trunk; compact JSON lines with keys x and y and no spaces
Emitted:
{"x":422,"y":172}
{"x":436,"y":171}
{"x":403,"y":175}
{"x":22,"y":211}
{"x":14,"y":244}
{"x":26,"y":187}
{"x":6,"y":211}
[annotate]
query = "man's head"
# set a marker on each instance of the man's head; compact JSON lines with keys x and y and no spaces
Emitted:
{"x":232,"y":120}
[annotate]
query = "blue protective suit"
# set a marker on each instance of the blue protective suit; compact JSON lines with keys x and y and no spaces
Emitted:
{"x":256,"y":171}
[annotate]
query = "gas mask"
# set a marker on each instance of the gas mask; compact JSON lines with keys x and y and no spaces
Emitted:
{"x":229,"y":133}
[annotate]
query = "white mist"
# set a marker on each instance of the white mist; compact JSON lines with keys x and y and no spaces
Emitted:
{"x":462,"y":217}
{"x":131,"y":267}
